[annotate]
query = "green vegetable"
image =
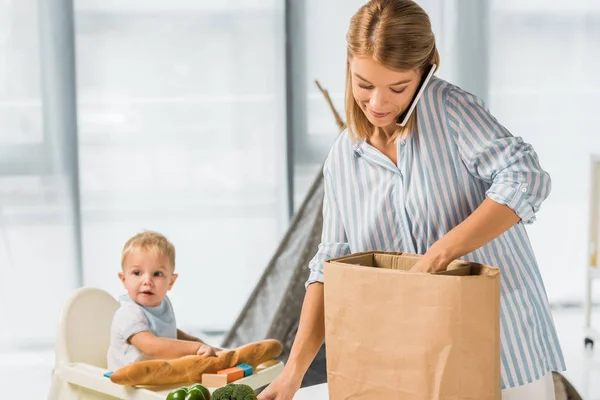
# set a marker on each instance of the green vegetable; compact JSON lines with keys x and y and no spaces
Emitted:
{"x":177,"y":394}
{"x":195,"y":394}
{"x":243,"y":392}
{"x":234,"y":392}
{"x":224,"y":393}
{"x":201,"y":388}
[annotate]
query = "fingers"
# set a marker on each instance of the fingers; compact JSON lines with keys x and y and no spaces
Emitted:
{"x":267,"y":396}
{"x":207,"y":351}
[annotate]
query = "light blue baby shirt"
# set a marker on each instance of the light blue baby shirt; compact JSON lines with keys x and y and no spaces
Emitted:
{"x":132,"y":318}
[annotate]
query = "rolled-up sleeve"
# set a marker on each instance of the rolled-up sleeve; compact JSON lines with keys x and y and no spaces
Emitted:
{"x":494,"y":155}
{"x":334,"y":242}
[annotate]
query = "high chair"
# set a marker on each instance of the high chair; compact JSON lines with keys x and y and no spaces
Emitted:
{"x":81,"y":346}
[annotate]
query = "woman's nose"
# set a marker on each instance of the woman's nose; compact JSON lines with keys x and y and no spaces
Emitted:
{"x":377,"y":100}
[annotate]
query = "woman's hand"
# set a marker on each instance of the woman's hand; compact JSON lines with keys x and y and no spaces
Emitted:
{"x":432,"y":261}
{"x":485,"y":224}
{"x":206,"y":350}
{"x":284,"y":387}
{"x":308,"y":341}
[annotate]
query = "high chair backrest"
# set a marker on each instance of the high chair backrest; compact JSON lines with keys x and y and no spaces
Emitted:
{"x":84,"y":327}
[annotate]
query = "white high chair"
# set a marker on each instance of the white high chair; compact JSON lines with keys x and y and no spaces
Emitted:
{"x":82,"y":343}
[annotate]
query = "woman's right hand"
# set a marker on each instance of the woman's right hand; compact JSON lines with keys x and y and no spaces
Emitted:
{"x":284,"y":387}
{"x":308,"y":340}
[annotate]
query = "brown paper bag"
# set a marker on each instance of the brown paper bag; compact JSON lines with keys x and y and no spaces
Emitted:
{"x":394,"y":334}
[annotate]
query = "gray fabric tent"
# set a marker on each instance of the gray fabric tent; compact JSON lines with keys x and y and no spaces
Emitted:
{"x":274,"y":305}
{"x":273,"y":309}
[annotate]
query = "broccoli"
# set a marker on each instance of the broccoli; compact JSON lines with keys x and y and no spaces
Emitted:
{"x":234,"y":392}
{"x":224,"y":393}
{"x":243,"y":392}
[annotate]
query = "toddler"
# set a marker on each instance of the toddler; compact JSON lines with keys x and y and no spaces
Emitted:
{"x":144,"y":325}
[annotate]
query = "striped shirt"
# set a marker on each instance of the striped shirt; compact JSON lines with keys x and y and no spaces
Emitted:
{"x":457,"y":155}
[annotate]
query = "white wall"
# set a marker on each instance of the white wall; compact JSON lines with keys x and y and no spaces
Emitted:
{"x":545,"y":87}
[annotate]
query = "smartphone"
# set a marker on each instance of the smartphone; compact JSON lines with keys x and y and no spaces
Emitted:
{"x":403,"y":118}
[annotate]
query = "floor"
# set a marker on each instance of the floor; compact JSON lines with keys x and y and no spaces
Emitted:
{"x":583,"y":366}
{"x":30,"y":370}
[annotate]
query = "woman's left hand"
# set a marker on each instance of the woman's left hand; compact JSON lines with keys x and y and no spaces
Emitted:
{"x":430,"y":262}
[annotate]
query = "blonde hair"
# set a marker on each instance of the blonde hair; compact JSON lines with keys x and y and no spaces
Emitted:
{"x":150,"y":241}
{"x":398,"y":35}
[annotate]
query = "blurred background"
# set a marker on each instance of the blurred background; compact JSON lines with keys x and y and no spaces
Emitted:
{"x":200,"y":119}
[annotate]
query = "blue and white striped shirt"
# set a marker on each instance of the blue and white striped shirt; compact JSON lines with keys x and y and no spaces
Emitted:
{"x":458,"y":155}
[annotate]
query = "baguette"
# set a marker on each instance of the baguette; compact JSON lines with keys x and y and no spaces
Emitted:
{"x":189,"y":369}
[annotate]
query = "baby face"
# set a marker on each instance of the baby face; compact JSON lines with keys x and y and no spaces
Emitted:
{"x":147,"y":277}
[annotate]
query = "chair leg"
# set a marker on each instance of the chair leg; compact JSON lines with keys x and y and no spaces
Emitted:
{"x":61,"y":390}
{"x":55,"y":386}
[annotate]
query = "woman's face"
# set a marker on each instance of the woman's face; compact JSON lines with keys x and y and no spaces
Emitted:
{"x":383,"y":94}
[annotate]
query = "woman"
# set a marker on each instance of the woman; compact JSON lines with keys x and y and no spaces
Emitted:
{"x":452,"y":183}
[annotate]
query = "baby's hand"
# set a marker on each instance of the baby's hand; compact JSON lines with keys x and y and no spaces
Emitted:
{"x":206,"y":350}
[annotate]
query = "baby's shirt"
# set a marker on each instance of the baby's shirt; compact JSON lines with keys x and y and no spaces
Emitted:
{"x":132,"y":318}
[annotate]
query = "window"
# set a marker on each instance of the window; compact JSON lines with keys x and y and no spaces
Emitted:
{"x":37,"y":246}
{"x":182,"y":130}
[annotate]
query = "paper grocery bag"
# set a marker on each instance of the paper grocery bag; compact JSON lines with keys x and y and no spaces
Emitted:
{"x":394,"y":334}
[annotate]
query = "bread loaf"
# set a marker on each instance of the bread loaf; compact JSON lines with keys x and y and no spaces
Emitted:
{"x":190,"y":368}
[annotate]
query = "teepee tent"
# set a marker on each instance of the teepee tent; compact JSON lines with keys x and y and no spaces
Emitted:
{"x":273,"y":308}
